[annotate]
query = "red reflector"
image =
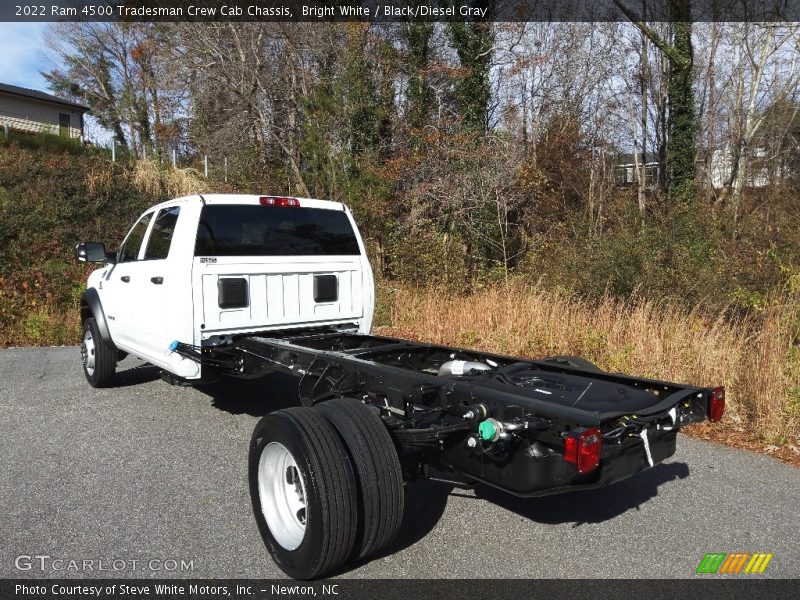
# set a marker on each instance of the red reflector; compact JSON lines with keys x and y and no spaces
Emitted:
{"x":277,"y":201}
{"x":716,"y":404}
{"x":571,"y":449}
{"x":582,"y":449}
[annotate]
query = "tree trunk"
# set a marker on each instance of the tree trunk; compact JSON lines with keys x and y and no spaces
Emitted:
{"x":681,"y":149}
{"x":643,"y":89}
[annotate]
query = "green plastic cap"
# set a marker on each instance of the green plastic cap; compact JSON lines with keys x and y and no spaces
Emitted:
{"x":487,"y":431}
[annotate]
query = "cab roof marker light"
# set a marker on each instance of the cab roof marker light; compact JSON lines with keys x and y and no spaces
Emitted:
{"x":278,"y":201}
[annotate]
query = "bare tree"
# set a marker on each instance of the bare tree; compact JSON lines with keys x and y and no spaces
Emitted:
{"x":254,"y":65}
{"x":765,"y":72}
{"x":122,"y":72}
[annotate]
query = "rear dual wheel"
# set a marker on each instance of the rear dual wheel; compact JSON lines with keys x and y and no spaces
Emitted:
{"x":326,"y":486}
{"x":377,"y":469}
{"x":303,"y":492}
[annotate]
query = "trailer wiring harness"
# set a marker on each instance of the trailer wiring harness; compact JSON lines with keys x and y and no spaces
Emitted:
{"x":633,"y":425}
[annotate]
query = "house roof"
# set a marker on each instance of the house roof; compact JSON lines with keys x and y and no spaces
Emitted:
{"x":37,"y":95}
{"x":626,"y":160}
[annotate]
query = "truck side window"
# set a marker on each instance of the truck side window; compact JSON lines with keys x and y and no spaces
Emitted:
{"x":161,"y":235}
{"x":133,"y":243}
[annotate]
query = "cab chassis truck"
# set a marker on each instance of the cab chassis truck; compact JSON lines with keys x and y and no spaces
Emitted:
{"x":214,"y":286}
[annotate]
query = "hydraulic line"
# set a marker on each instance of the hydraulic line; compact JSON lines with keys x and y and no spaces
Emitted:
{"x":222,"y":358}
{"x":429,"y":436}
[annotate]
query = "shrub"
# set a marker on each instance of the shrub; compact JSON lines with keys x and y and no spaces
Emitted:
{"x":49,"y":201}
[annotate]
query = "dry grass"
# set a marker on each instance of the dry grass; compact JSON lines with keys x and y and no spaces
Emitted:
{"x":151,"y":178}
{"x":753,"y":358}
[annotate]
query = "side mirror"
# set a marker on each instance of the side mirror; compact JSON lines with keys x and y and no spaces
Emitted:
{"x":93,"y":252}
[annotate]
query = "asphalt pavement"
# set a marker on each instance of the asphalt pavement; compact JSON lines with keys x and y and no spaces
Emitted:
{"x":150,"y":480}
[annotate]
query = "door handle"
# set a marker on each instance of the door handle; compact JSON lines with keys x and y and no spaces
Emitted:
{"x":157,"y":280}
{"x":126,"y":278}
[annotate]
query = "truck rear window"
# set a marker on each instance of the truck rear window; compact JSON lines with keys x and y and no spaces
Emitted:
{"x":248,"y":230}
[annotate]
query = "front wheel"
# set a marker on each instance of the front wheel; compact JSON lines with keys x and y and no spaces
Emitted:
{"x":303,"y":491}
{"x":98,"y":356}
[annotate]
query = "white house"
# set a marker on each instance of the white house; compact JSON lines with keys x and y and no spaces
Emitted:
{"x":760,"y":171}
{"x":32,"y":111}
{"x":625,"y":171}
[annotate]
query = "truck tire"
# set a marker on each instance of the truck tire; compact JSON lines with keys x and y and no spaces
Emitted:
{"x":377,"y":469}
{"x":98,"y":356}
{"x":303,"y":492}
{"x":575,"y":362}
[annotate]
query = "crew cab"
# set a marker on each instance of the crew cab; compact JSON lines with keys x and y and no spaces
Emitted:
{"x":211,"y":286}
{"x":202,"y":269}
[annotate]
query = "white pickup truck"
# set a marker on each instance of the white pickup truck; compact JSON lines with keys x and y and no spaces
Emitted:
{"x":243,"y":286}
{"x":203,"y":269}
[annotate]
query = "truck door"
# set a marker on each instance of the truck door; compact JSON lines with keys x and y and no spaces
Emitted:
{"x":117,"y":291}
{"x":155,"y":280}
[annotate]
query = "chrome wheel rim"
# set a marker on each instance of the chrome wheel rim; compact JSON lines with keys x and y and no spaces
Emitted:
{"x":87,"y":352}
{"x":283,"y":495}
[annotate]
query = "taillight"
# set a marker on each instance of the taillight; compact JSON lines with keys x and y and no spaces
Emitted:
{"x":278,"y":201}
{"x":716,"y":404}
{"x":582,"y":448}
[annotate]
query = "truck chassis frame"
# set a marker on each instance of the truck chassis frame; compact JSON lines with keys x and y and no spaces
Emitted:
{"x":435,"y":421}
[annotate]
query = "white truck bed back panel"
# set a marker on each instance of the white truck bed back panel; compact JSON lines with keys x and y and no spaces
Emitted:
{"x":280,"y":293}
